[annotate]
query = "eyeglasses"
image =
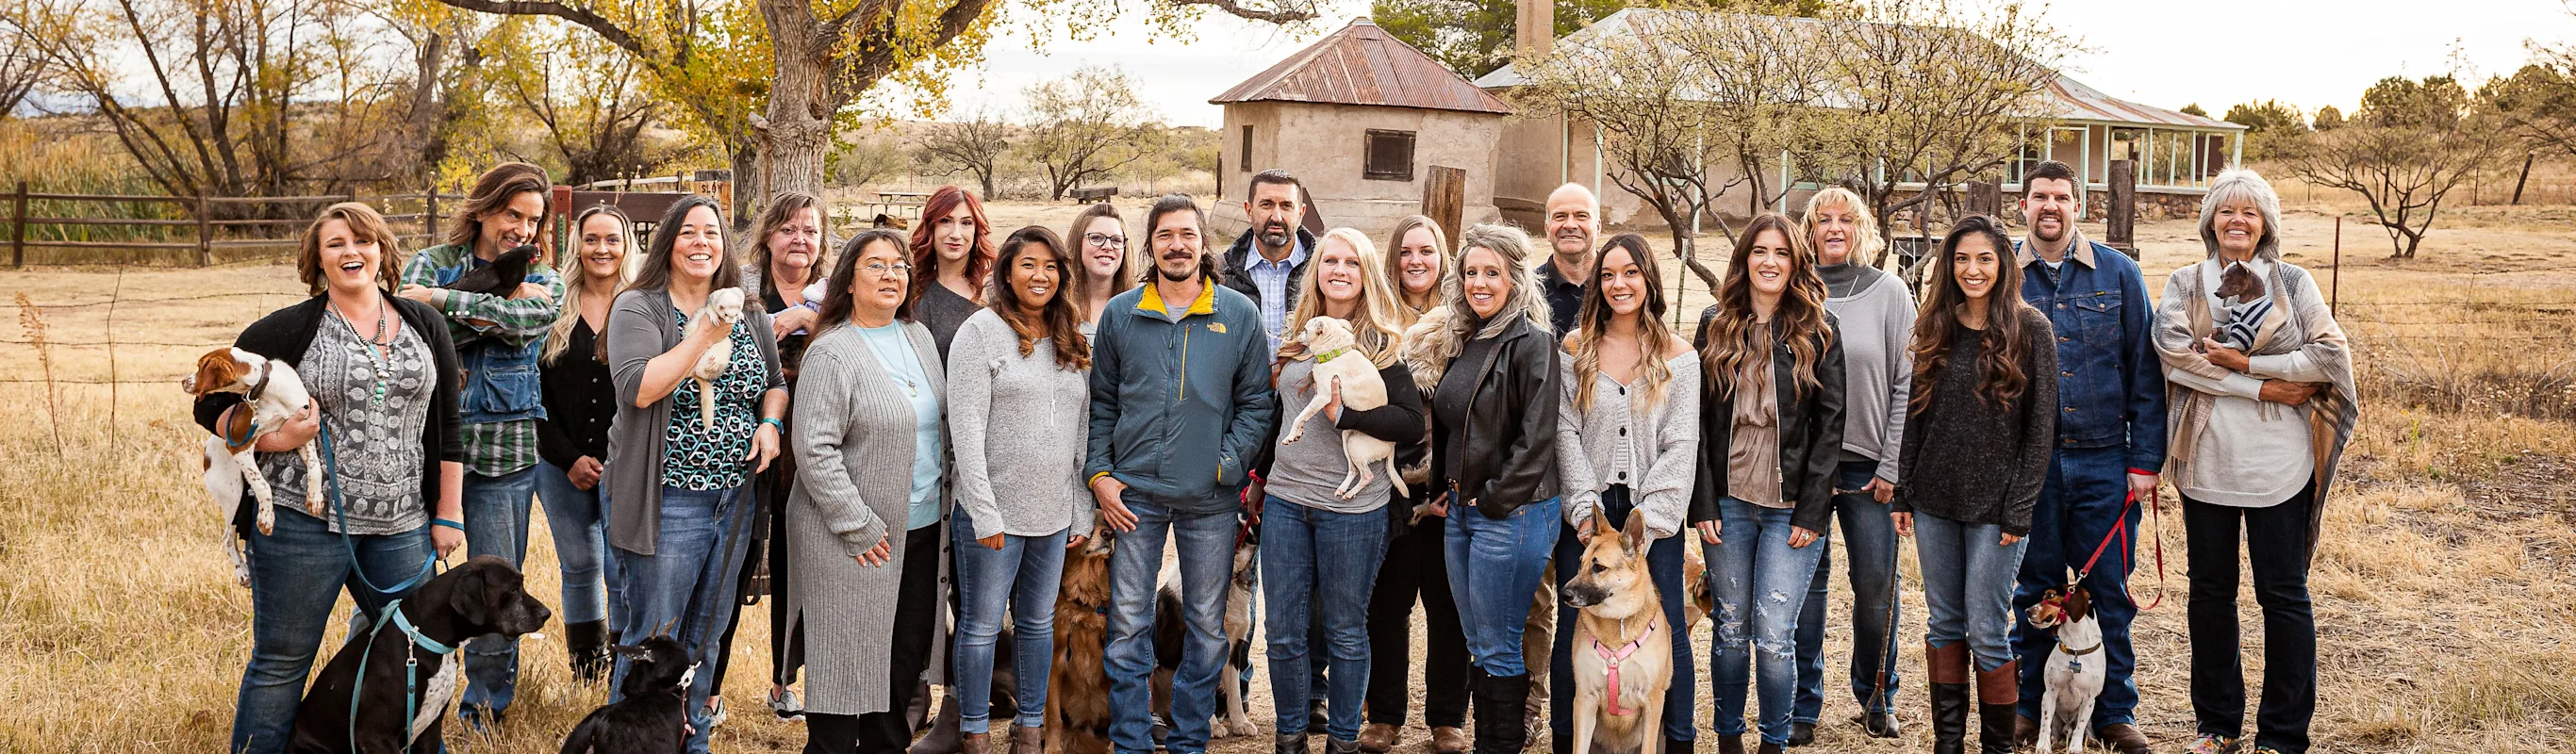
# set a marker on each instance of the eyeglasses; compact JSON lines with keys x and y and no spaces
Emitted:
{"x":1105,"y":241}
{"x":882,"y":269}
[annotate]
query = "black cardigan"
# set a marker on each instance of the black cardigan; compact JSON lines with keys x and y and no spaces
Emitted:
{"x":286,"y":333}
{"x":580,"y":401}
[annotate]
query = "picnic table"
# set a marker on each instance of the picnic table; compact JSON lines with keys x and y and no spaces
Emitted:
{"x":899,"y":204}
{"x":1094,"y":195}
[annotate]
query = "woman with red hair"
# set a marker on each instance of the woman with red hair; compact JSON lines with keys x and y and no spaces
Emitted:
{"x":953,"y":245}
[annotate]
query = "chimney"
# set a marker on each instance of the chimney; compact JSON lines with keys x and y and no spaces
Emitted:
{"x":1535,"y":32}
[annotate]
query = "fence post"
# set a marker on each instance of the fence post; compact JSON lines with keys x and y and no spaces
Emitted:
{"x":429,"y":215}
{"x":18,"y":229}
{"x":205,"y":231}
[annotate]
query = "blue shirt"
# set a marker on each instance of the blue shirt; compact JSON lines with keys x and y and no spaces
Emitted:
{"x":894,"y":350}
{"x":2110,"y":384}
{"x":1272,"y":278}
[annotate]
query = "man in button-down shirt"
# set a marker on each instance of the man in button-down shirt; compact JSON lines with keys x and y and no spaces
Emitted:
{"x":2110,"y":442}
{"x":1275,"y":206}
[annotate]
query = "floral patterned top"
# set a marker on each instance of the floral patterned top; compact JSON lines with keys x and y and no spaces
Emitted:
{"x":695,"y":457}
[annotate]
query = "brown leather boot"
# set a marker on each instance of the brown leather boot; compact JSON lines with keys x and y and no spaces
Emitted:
{"x":974,"y":743}
{"x":1376,"y":738}
{"x":1448,"y":740}
{"x":1948,"y":669}
{"x":1998,"y":695}
{"x":1027,"y":740}
{"x":2123,"y":737}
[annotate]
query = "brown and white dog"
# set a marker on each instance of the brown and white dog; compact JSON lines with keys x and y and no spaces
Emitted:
{"x":2075,"y":672}
{"x":1623,"y":649}
{"x":1077,"y":706}
{"x":273,"y":394}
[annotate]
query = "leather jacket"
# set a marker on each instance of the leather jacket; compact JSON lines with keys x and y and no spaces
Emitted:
{"x":1506,"y":451}
{"x":1811,"y":432}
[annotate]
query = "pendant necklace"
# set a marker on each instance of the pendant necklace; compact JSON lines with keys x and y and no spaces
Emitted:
{"x":382,"y":363}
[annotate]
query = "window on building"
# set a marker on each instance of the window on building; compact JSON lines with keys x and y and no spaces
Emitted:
{"x":1387,"y":156}
{"x":1243,"y":157}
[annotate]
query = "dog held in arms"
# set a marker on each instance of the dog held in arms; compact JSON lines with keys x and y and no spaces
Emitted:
{"x":651,"y":719}
{"x":1326,"y":340}
{"x":1623,"y":657}
{"x":2075,"y":673}
{"x":723,"y":308}
{"x":374,"y":677}
{"x":274,"y":394}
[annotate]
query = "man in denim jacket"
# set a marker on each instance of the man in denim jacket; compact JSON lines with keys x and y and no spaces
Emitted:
{"x":2110,"y":442}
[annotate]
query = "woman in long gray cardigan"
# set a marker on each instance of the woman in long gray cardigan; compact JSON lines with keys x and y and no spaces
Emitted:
{"x":863,"y":524}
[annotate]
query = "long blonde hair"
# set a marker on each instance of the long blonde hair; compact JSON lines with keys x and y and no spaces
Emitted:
{"x":570,"y":315}
{"x":1653,"y":338}
{"x":1379,"y":337}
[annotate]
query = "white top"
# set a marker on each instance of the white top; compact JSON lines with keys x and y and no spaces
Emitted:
{"x":2251,"y":454}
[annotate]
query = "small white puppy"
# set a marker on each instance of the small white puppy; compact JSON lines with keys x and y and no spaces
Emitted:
{"x":1328,"y":343}
{"x":274,"y":394}
{"x":2076,"y":668}
{"x":724,"y":307}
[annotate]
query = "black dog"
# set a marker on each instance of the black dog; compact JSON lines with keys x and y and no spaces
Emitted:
{"x":483,"y":596}
{"x":499,"y":278}
{"x":651,"y":719}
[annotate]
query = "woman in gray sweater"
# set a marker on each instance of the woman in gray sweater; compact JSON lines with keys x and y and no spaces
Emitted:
{"x":1985,"y":384}
{"x":1019,"y":415}
{"x":863,"y":522}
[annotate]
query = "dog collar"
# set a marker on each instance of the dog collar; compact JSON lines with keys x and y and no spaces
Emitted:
{"x":2061,"y":646}
{"x":1614,"y":658}
{"x":1329,"y":355}
{"x":260,"y":386}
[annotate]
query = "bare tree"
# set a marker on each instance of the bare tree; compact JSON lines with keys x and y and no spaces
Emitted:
{"x":20,"y":69}
{"x":2408,"y":146}
{"x":1088,"y":124}
{"x":973,"y":144}
{"x":862,"y":160}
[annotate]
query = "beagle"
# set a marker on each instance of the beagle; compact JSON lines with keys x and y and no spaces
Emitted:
{"x":274,"y":395}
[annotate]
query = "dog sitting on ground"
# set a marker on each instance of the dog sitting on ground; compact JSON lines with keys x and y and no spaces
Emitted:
{"x":2075,"y":671}
{"x":1077,"y":711}
{"x":1171,"y":626}
{"x":273,"y":394}
{"x":2243,"y":303}
{"x":483,"y":596}
{"x":652,"y":718}
{"x":1623,"y":650}
{"x":723,"y":308}
{"x":1326,"y":340}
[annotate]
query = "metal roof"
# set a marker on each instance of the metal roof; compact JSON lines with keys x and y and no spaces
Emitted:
{"x":1361,"y":65}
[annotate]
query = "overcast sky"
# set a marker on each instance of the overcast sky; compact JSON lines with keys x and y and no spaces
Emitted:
{"x":2166,"y":53}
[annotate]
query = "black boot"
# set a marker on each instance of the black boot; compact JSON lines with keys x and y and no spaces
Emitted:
{"x":1680,"y":745}
{"x":1948,"y":669}
{"x":1998,"y":695}
{"x":1730,"y":744}
{"x":1506,"y":697}
{"x":1560,"y":742}
{"x":1289,"y":743}
{"x":943,"y":737}
{"x":587,"y":643}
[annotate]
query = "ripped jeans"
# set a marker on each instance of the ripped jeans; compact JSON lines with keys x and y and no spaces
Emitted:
{"x":1760,"y":583}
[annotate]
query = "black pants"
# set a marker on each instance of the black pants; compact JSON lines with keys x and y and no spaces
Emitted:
{"x":2277,"y":546}
{"x":786,"y":646}
{"x":1414,"y":566}
{"x":916,"y":605}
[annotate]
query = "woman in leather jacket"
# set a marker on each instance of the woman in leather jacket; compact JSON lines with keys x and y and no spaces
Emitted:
{"x":1492,"y":371}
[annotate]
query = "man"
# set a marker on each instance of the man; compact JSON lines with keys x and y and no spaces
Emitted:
{"x":1271,"y":277}
{"x":1573,"y":220}
{"x":2110,"y":444}
{"x":1180,"y":405}
{"x":497,"y":339}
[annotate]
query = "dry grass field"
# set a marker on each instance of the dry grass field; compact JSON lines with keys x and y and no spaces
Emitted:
{"x":2443,"y":587}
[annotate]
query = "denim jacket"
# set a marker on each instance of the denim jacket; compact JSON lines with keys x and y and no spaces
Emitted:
{"x":2111,"y":386}
{"x":499,"y":360}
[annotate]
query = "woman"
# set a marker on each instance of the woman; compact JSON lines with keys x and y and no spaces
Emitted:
{"x":1099,"y":237}
{"x":1020,"y":397}
{"x":786,"y":265}
{"x":1978,"y":434}
{"x":1627,"y":443}
{"x":1320,"y":549}
{"x":572,"y":441}
{"x":2257,"y":434}
{"x":1493,"y":366}
{"x":952,"y":247}
{"x":1417,"y":255}
{"x":1771,"y":427}
{"x":870,"y":449}
{"x":1877,"y":317}
{"x":376,"y":366}
{"x":679,"y":490}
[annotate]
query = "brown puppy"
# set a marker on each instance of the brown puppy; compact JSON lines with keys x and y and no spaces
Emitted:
{"x":1077,"y":708}
{"x":1623,"y":653}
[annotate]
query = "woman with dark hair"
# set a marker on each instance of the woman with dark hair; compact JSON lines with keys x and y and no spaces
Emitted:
{"x":1019,"y":414}
{"x":785,"y":276}
{"x":679,"y":489}
{"x":1099,"y":238}
{"x":1985,"y":379}
{"x":1771,"y":428}
{"x":376,"y":366}
{"x":863,"y":522}
{"x":572,"y":441}
{"x":1627,"y":443}
{"x":952,"y":247}
{"x":1417,"y":255}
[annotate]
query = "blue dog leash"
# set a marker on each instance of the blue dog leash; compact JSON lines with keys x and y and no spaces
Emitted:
{"x":411,"y":669}
{"x":331,"y":468}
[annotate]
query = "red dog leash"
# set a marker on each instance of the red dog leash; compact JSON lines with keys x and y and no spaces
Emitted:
{"x":2120,"y":526}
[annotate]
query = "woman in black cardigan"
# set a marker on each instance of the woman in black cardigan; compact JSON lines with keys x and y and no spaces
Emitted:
{"x":377,"y":366}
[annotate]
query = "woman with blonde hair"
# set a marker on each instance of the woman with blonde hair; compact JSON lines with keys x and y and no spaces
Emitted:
{"x":572,"y":440}
{"x":1417,"y":256}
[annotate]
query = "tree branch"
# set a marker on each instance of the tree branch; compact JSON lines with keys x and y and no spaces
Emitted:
{"x":607,"y":29}
{"x":1290,"y":11}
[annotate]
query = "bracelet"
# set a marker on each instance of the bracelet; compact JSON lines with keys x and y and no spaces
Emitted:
{"x":446,"y":523}
{"x":774,"y":422}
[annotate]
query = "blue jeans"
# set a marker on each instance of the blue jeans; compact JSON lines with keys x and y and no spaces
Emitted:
{"x":1205,"y":544}
{"x":1020,"y":579}
{"x":1495,"y":564}
{"x":2083,"y":497}
{"x":1967,"y":586}
{"x":1871,"y":563}
{"x":296,"y":575}
{"x":1664,"y":567}
{"x":686,"y":587}
{"x":1318,"y":566}
{"x":581,"y":549}
{"x":496,"y":523}
{"x":1757,"y":579}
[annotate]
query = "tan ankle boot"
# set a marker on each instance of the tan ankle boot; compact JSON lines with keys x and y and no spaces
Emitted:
{"x":973,"y":743}
{"x":1027,"y":740}
{"x":1448,"y":741}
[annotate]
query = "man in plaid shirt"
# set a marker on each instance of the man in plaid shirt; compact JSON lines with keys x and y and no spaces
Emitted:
{"x":497,"y":341}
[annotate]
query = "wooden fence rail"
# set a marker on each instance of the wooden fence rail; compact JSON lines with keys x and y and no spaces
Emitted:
{"x":212,"y":233}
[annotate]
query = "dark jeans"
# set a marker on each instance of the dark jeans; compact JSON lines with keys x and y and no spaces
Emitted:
{"x":1315,"y":565}
{"x":1415,"y":565}
{"x":916,"y":605}
{"x":496,"y":523}
{"x":2086,"y":491}
{"x":1664,"y":567}
{"x":2277,"y":546}
{"x":296,"y":575}
{"x":1869,"y":538}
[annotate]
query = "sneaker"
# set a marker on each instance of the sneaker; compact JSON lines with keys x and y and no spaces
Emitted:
{"x":2209,"y":743}
{"x":2266,"y":750}
{"x":715,"y":712}
{"x":785,"y":704}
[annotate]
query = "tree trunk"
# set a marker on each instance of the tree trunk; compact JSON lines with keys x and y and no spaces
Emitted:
{"x":797,"y":131}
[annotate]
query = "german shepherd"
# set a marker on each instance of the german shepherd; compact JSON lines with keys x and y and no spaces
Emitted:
{"x":1623,"y":653}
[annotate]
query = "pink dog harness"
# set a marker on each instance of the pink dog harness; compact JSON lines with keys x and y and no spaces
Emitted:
{"x":1614,"y":658}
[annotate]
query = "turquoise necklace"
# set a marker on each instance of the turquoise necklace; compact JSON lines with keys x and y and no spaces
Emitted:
{"x":381,"y":362}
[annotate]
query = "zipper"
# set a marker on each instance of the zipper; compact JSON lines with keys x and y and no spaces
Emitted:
{"x":1185,"y":360}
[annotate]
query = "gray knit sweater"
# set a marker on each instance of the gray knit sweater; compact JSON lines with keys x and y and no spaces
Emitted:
{"x":1654,"y":452}
{"x":1989,"y":460}
{"x":1018,"y":425}
{"x":1878,"y":324}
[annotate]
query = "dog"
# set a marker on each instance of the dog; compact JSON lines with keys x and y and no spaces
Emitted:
{"x":1171,"y":626}
{"x":1077,"y":708}
{"x":2243,"y":303}
{"x":1623,"y":652}
{"x":1326,"y":339}
{"x":1695,"y":586}
{"x":2075,"y":672}
{"x":483,"y":596}
{"x":274,"y":395}
{"x":500,"y":278}
{"x":653,"y":718}
{"x":723,"y":308}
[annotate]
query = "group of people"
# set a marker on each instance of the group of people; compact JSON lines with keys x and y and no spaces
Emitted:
{"x":1010,"y":400}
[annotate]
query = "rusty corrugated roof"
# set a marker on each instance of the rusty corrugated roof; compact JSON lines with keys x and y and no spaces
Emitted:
{"x":1362,"y":65}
